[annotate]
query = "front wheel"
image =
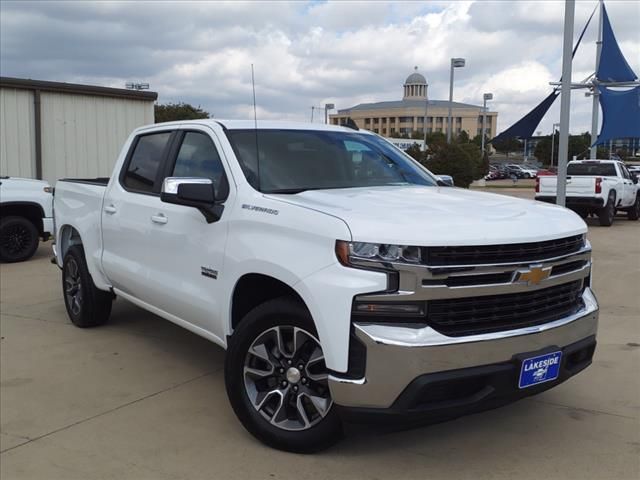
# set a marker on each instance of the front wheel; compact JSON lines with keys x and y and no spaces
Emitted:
{"x":18,"y":239}
{"x":634,"y":211}
{"x":277,"y":380}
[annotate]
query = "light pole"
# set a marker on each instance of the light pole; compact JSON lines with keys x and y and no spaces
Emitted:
{"x":455,"y":63}
{"x":426,"y":110}
{"x":485,"y":97}
{"x":327,"y":107}
{"x":553,"y":141}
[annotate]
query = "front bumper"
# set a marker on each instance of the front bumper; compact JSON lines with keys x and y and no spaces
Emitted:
{"x":403,"y":364}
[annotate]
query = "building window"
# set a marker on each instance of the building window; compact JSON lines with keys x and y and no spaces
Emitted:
{"x":438,"y":119}
{"x":375,"y":130}
{"x":367,"y":121}
{"x":384,"y":131}
{"x":406,"y":119}
{"x":375,"y":121}
{"x":393,"y":130}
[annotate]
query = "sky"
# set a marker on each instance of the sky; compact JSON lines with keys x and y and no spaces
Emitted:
{"x":308,"y":53}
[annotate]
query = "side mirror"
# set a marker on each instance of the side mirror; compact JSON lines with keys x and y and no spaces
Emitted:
{"x":192,"y":192}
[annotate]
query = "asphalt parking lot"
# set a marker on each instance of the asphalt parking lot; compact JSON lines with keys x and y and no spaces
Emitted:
{"x":141,"y":398}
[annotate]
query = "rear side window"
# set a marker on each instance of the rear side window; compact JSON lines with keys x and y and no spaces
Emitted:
{"x":592,"y":169}
{"x":198,"y":157}
{"x":145,"y":161}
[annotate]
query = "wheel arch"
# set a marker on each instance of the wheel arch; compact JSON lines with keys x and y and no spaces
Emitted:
{"x":253,"y":289}
{"x":30,"y":210}
{"x":67,"y":237}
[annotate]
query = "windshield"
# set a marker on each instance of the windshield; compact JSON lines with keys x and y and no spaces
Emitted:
{"x":592,"y":169}
{"x":292,"y":161}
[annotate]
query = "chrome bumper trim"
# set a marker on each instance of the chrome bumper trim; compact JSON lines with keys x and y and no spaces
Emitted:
{"x":396,"y":355}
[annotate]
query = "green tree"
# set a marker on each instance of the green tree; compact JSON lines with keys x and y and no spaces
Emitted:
{"x":452,"y":159}
{"x":543,"y":151}
{"x":507,"y":145}
{"x":170,"y":112}
{"x":415,"y":151}
{"x":463,"y":137}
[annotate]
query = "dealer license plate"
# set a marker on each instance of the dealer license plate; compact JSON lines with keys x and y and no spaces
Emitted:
{"x":540,"y":369}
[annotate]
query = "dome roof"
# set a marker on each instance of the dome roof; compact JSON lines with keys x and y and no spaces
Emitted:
{"x":416,"y":77}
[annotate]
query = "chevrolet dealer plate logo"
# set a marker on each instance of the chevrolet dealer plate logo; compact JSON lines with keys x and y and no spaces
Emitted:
{"x":534,"y":275}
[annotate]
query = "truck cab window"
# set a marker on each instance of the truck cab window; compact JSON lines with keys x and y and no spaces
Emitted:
{"x":198,"y":157}
{"x":145,"y":161}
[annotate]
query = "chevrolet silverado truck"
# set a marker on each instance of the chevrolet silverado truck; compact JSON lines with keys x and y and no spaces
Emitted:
{"x":344,"y":281}
{"x":599,"y":187}
{"x":26,"y":216}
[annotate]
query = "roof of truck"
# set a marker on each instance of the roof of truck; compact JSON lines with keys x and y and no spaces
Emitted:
{"x":264,"y":124}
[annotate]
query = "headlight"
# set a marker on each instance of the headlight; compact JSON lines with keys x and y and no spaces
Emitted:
{"x":350,"y":253}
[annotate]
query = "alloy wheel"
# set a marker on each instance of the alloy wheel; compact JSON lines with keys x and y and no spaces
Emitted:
{"x":73,"y":286}
{"x":16,"y":239}
{"x":286,"y":378}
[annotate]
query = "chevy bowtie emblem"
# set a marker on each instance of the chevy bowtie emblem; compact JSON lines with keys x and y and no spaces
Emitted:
{"x":534,"y":275}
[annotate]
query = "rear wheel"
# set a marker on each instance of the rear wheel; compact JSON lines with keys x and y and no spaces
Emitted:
{"x":277,"y":380}
{"x":607,"y":213}
{"x":18,"y":239}
{"x":87,"y":306}
{"x":634,"y":211}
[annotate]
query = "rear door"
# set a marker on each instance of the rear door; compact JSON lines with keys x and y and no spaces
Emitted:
{"x":130,"y":207}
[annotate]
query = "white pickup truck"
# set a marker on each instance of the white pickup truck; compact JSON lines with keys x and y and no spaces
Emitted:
{"x":344,"y":281}
{"x":25,"y":216}
{"x":600,"y":187}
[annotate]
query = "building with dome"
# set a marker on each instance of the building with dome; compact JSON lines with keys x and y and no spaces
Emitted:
{"x":403,"y":117}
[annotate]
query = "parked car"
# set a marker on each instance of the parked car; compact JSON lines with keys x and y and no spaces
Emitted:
{"x":338,"y":282}
{"x":522,"y":172}
{"x":25,"y":217}
{"x":601,"y":187}
{"x":634,"y":169}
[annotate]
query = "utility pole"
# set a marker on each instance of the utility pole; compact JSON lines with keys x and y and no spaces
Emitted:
{"x":455,"y":63}
{"x":565,"y":101}
{"x":594,"y":108}
{"x":485,"y":97}
{"x":426,"y":110}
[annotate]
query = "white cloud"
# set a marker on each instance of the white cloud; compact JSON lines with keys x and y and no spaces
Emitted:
{"x":309,"y":53}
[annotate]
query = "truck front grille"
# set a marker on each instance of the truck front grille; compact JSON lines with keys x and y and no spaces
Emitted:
{"x":476,"y":315}
{"x":507,"y":253}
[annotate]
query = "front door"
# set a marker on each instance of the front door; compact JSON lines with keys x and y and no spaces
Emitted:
{"x":193,"y":250}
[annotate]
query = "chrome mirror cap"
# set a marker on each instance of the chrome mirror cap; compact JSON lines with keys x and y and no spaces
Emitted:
{"x":170,"y":184}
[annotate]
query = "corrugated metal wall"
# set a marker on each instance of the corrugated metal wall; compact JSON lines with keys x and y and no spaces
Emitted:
{"x":82,"y":134}
{"x":17,"y":133}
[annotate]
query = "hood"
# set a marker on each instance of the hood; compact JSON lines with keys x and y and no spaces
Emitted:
{"x":437,"y":216}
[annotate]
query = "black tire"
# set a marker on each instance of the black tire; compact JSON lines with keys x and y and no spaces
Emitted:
{"x":607,"y":213}
{"x":87,"y":306}
{"x":634,"y":211}
{"x":18,"y":239}
{"x":257,"y":324}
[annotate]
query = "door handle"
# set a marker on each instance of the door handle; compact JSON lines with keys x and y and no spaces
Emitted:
{"x":110,"y":209}
{"x":159,"y":218}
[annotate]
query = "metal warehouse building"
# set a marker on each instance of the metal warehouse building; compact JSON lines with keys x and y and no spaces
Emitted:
{"x":51,"y":130}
